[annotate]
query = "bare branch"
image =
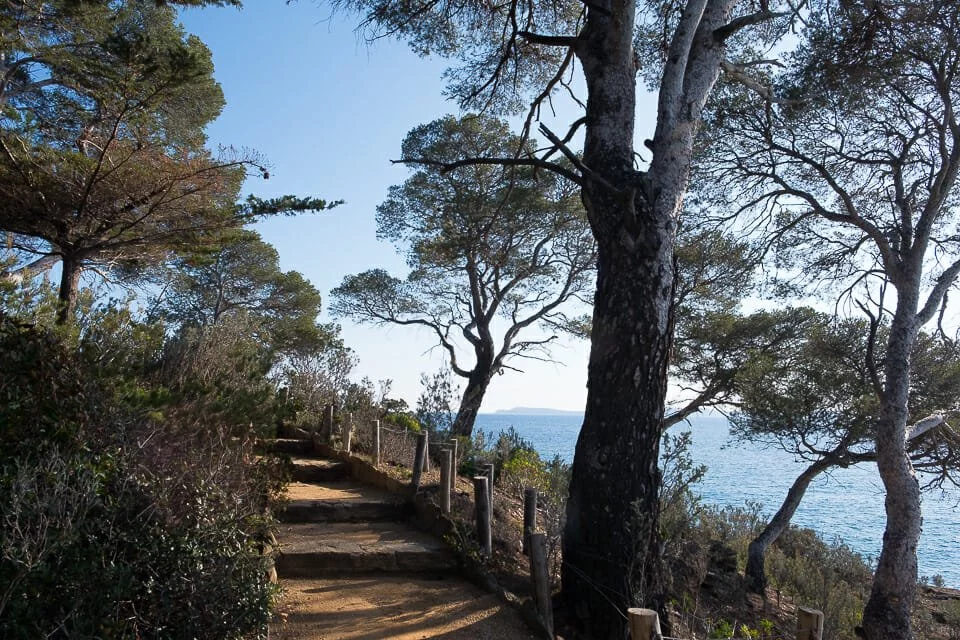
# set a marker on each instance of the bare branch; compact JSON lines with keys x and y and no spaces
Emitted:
{"x":505,"y":162}
{"x":749,"y":20}
{"x":944,"y":282}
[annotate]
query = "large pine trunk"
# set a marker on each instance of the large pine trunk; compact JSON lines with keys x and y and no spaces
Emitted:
{"x":611,"y":546}
{"x":887,"y":614}
{"x":757,"y":550}
{"x":611,"y":557}
{"x":611,"y":543}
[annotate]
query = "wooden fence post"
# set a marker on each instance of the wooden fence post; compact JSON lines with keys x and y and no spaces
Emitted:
{"x":376,"y":443}
{"x":455,"y":468}
{"x":349,"y":435}
{"x":330,"y":424}
{"x":426,"y":458}
{"x":481,"y":495}
{"x":488,"y":471}
{"x":809,"y":624}
{"x":644,"y":624}
{"x":446,"y":464}
{"x":529,"y":516}
{"x":540,"y":574}
{"x":418,"y":460}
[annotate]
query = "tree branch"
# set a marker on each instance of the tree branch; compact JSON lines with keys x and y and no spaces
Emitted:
{"x":738,"y":24}
{"x":944,"y":282}
{"x":549,"y":41}
{"x":446,"y":167}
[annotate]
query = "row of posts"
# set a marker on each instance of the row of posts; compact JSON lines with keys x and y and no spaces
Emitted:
{"x":644,"y":623}
{"x":534,"y":542}
{"x":421,"y":462}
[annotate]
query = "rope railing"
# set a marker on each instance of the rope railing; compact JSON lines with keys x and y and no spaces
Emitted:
{"x":384,"y":444}
{"x":390,"y":445}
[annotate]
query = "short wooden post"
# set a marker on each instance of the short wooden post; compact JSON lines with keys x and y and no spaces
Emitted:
{"x":446,"y":466}
{"x":456,"y":466}
{"x":418,"y":460}
{"x":540,"y":574}
{"x":426,"y":459}
{"x":376,"y":442}
{"x":644,"y":624}
{"x":809,"y":624}
{"x":348,"y":437}
{"x":330,"y":424}
{"x":488,"y":471}
{"x":529,"y":516}
{"x":481,"y":495}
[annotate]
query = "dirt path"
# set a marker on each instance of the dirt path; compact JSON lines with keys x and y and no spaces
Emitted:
{"x":372,"y":607}
{"x":352,"y":568}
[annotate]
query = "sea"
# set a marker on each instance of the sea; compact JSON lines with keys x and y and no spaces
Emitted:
{"x":845,"y":505}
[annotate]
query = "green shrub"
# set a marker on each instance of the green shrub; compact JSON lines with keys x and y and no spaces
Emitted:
{"x":800,"y":565}
{"x":722,"y":629}
{"x":402,"y":421}
{"x":113,"y":525}
{"x":45,"y":398}
{"x":89,"y":552}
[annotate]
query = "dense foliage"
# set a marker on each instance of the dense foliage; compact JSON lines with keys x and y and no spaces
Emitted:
{"x":119,"y":522}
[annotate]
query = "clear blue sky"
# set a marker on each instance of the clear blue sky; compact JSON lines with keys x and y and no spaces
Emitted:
{"x":329,"y":112}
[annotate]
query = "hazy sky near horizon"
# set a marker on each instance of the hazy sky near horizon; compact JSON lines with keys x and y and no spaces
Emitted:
{"x":328,"y":112}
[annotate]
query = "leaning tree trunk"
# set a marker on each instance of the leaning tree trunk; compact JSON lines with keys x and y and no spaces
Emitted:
{"x":470,"y":404}
{"x":67,"y":295}
{"x":887,"y":613}
{"x":611,"y":538}
{"x":756,"y":552}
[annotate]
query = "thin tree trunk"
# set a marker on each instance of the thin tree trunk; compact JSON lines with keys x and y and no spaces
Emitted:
{"x":887,"y":613}
{"x":67,"y":295}
{"x":756,"y":552}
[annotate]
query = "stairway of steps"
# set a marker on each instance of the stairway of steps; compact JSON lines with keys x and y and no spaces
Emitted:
{"x":354,"y":567}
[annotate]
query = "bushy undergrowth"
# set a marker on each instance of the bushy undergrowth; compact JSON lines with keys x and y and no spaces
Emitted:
{"x":801,"y":566}
{"x":803,"y":569}
{"x":122,"y":514}
{"x":519,"y":467}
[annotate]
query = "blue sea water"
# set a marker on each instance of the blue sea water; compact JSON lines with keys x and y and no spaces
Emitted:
{"x":846,"y":504}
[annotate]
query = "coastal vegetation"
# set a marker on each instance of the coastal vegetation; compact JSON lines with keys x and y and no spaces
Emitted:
{"x":803,"y":165}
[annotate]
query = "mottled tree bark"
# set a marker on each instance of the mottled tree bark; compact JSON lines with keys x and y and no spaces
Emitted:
{"x":611,"y":541}
{"x":887,"y":613}
{"x":470,"y":403}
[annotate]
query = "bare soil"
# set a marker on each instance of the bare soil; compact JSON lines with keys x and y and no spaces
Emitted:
{"x":375,"y":607}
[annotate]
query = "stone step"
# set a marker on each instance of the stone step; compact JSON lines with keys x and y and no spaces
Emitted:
{"x":318,"y":470}
{"x":342,"y":501}
{"x":289,"y":446}
{"x":393,"y":606}
{"x":330,"y":548}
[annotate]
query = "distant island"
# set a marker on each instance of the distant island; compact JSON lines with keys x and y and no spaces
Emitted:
{"x":537,"y":411}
